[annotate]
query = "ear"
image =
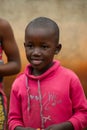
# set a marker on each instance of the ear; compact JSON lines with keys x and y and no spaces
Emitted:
{"x":24,"y":44}
{"x":58,"y":48}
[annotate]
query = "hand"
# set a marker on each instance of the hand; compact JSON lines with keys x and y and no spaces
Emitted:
{"x":24,"y":128}
{"x":62,"y":126}
{"x":53,"y":127}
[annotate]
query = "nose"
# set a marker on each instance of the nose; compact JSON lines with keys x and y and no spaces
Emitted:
{"x":36,"y":51}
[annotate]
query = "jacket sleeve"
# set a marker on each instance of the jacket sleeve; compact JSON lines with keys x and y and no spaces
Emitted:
{"x":15,"y":114}
{"x":79,"y":103}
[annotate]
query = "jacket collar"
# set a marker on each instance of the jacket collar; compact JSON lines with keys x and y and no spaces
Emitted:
{"x":47,"y":74}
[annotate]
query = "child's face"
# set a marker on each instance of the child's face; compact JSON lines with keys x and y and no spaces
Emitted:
{"x":40,"y":49}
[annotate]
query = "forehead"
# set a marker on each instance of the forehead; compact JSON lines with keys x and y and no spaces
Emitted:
{"x":37,"y":29}
{"x":44,"y":32}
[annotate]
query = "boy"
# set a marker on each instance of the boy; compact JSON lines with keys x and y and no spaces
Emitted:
{"x":47,"y":95}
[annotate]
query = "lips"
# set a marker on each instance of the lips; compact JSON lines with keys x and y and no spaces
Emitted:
{"x":36,"y":61}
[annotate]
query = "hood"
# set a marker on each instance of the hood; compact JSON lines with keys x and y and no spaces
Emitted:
{"x":46,"y":74}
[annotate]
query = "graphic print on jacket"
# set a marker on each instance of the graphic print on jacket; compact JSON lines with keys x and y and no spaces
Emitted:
{"x":44,"y":102}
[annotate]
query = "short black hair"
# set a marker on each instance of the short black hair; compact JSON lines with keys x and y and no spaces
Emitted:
{"x":45,"y":22}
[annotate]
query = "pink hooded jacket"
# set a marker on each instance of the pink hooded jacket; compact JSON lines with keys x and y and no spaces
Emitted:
{"x":54,"y":97}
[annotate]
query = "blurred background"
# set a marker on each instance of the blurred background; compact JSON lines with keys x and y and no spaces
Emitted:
{"x":70,"y":15}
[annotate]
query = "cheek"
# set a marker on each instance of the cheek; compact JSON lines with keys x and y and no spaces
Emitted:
{"x":51,"y":53}
{"x":27,"y":53}
{"x":49,"y":56}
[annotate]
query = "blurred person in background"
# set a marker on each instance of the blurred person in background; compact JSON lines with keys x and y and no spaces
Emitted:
{"x":12,"y":66}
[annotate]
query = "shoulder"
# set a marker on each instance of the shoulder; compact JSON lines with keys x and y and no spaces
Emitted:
{"x":69,"y":73}
{"x":20,"y":80}
{"x":65,"y":72}
{"x":20,"y":77}
{"x":4,"y":23}
{"x":5,"y":27}
{"x":72,"y":77}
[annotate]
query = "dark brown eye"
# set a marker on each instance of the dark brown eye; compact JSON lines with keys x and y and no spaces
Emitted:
{"x":29,"y":45}
{"x":44,"y":46}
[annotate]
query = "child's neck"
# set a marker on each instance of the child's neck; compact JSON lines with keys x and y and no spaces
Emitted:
{"x":36,"y":72}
